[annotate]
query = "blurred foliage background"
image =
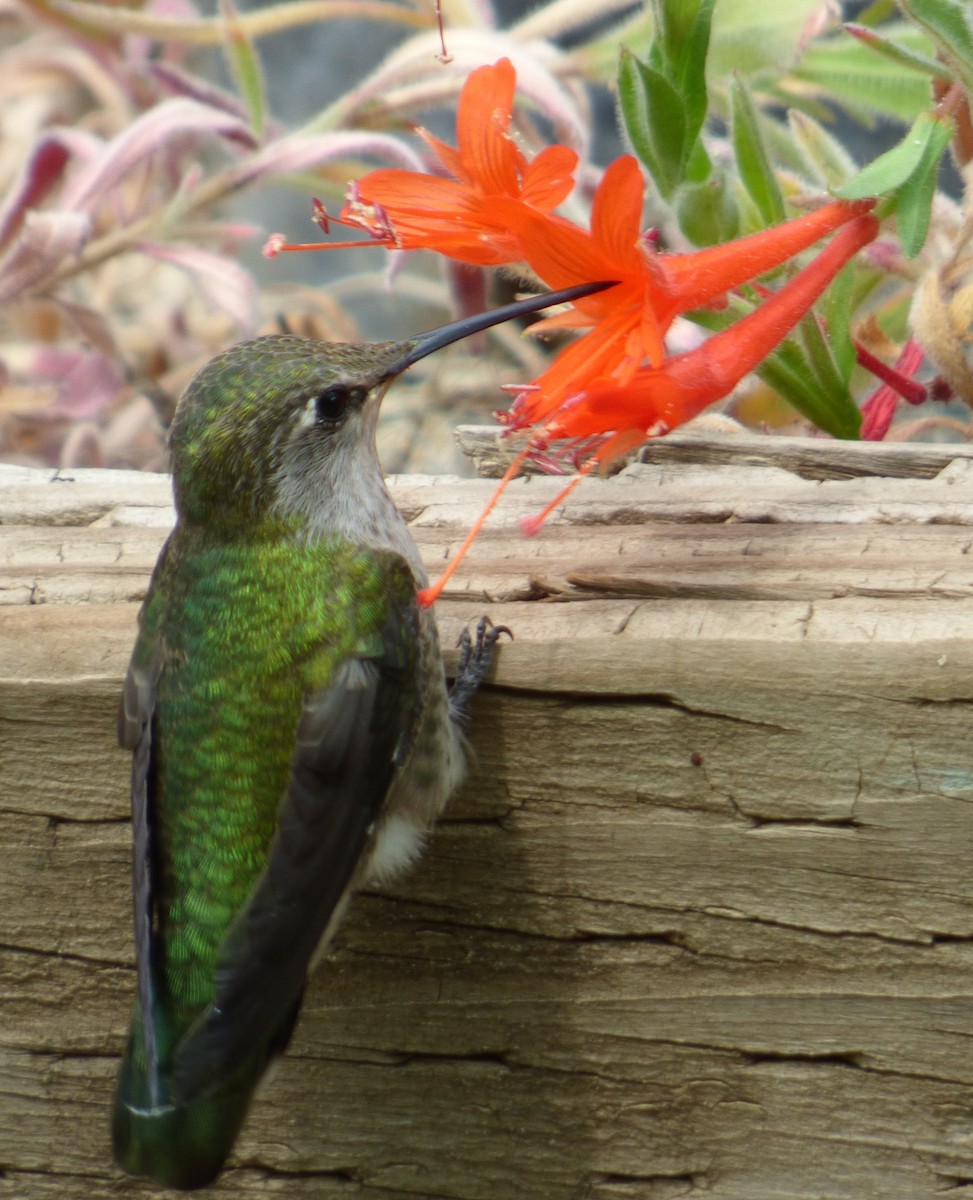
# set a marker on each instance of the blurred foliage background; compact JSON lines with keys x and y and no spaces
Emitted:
{"x":146,"y":151}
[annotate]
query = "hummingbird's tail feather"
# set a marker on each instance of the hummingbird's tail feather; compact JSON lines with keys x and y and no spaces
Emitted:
{"x":178,"y":1144}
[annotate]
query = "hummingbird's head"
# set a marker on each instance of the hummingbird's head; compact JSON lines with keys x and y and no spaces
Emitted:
{"x":284,"y":427}
{"x":269,"y":419}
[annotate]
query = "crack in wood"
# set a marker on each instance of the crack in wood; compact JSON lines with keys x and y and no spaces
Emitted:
{"x":55,"y":820}
{"x":953,"y":1182}
{"x":630,"y":699}
{"x":691,"y":1179}
{"x":797,"y":823}
{"x":65,"y":956}
{"x":840,"y":1058}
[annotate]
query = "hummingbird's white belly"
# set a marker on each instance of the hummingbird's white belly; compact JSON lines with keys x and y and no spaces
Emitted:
{"x":397,"y":845}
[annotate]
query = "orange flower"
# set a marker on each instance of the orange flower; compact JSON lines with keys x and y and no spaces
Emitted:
{"x":630,"y":321}
{"x":459,"y":217}
{"x":657,"y":399}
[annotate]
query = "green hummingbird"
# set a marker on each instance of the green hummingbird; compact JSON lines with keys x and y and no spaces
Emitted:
{"x":287,"y":710}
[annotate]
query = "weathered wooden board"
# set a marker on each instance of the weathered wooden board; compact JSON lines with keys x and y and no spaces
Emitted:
{"x":700,"y":925}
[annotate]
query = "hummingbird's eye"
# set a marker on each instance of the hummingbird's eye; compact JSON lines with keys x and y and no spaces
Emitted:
{"x":332,"y":405}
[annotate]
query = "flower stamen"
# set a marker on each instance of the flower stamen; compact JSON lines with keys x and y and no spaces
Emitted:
{"x":429,"y":595}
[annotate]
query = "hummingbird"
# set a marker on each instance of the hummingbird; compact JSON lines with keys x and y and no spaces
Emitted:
{"x":291,"y":729}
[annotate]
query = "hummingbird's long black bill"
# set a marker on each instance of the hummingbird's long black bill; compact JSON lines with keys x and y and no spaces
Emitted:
{"x":435,"y":339}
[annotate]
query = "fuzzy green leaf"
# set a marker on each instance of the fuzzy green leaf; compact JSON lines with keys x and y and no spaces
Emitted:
{"x":699,"y":167}
{"x":838,"y":307}
{"x":820,"y":357}
{"x":655,"y":121}
{"x":787,"y":371}
{"x":755,"y":37}
{"x":891,"y":170}
{"x":674,"y":23}
{"x":864,"y":82}
{"x":913,"y":207}
{"x":245,"y":66}
{"x":692,"y":72}
{"x":878,"y":10}
{"x":753,"y":161}
{"x":707,"y":212}
{"x":903,"y":55}
{"x":823,"y":156}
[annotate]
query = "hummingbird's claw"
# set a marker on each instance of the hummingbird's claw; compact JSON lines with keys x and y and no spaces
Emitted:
{"x":475,"y":658}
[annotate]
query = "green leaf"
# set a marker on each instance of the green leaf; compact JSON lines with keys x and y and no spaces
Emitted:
{"x":878,"y":10}
{"x":691,"y":69}
{"x":674,"y":23}
{"x":664,"y":101}
{"x":707,"y":212}
{"x":821,"y":359}
{"x":865,"y":83}
{"x":655,"y":121}
{"x":948,"y":21}
{"x":912,"y":60}
{"x":838,"y":306}
{"x":909,"y":171}
{"x":754,"y":36}
{"x":913,"y":208}
{"x":751,"y":156}
{"x":244,"y":66}
{"x":891,"y":169}
{"x":787,"y":372}
{"x":825,"y":158}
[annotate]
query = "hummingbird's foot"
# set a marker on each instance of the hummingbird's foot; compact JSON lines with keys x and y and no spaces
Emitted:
{"x":475,"y":657}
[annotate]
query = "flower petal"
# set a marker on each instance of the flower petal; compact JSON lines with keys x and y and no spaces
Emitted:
{"x":415,"y":202}
{"x":451,"y":159}
{"x":490,"y":155}
{"x":558,"y":250}
{"x":426,"y":211}
{"x":616,"y":215}
{"x":549,"y":178}
{"x":694,"y":280}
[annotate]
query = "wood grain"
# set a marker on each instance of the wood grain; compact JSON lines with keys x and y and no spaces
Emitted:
{"x":699,"y":925}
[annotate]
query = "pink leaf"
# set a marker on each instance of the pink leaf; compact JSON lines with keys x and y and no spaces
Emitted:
{"x":154,"y":130}
{"x":302,"y":151}
{"x":46,"y":240}
{"x":222,"y":281}
{"x":90,"y":382}
{"x":40,"y":172}
{"x":182,"y":83}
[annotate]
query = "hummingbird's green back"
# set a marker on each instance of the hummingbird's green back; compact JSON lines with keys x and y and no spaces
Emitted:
{"x":249,"y":632}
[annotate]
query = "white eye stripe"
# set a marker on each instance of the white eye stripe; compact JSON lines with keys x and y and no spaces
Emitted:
{"x":308,"y":415}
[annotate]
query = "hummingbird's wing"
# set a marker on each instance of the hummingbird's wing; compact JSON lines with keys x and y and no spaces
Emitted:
{"x":352,"y":738}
